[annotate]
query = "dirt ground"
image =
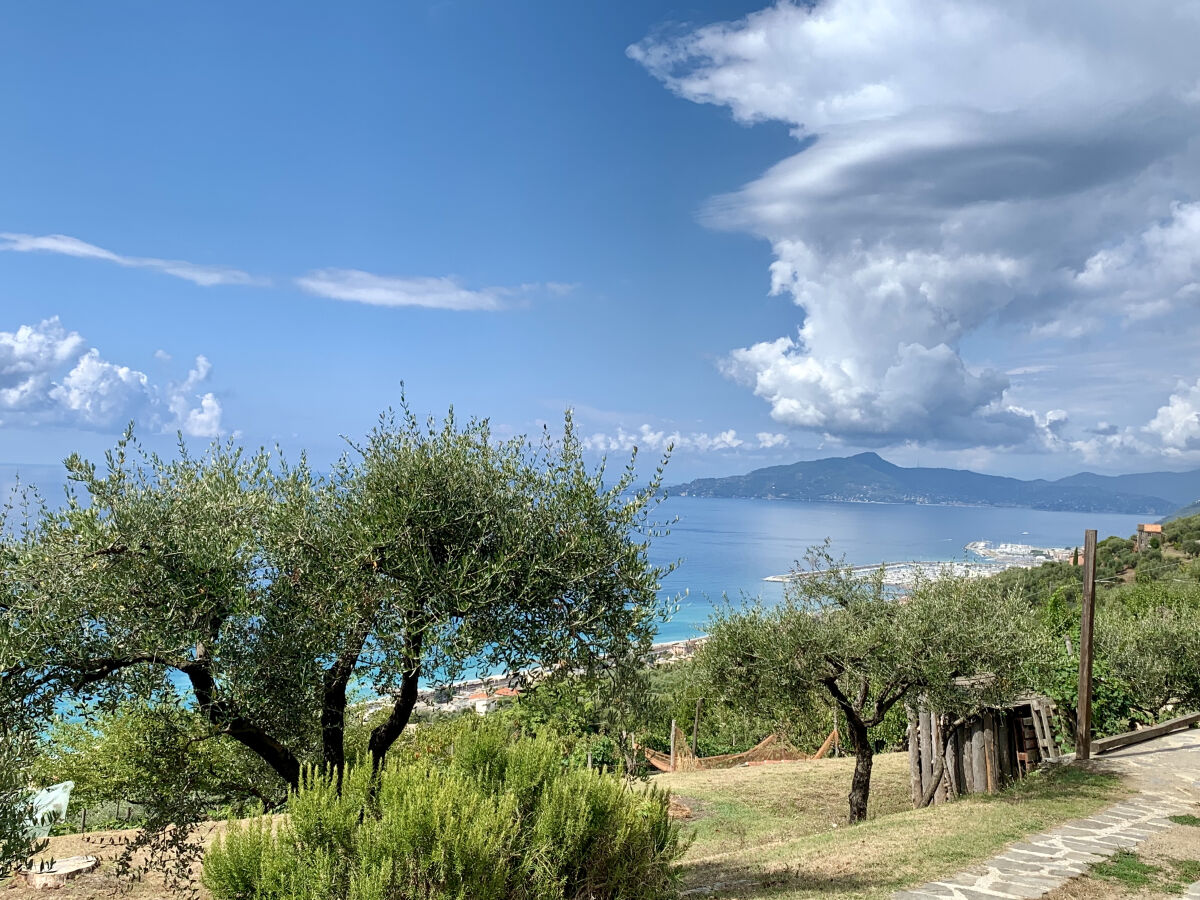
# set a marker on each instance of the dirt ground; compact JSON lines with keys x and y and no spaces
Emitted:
{"x":107,"y":846}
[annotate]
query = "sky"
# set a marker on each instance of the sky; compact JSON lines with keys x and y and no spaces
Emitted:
{"x":957,"y":233}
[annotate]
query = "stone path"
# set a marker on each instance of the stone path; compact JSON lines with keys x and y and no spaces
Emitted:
{"x":1166,"y":773}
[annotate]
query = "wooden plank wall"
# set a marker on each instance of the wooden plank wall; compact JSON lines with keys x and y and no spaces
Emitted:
{"x":983,"y":757}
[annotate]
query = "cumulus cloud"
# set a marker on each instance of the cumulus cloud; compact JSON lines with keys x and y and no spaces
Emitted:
{"x":47,"y":377}
{"x":963,"y":166}
{"x":1177,"y":422}
{"x":64,"y":245}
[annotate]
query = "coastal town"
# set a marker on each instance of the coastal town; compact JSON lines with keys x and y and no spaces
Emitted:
{"x":982,"y":558}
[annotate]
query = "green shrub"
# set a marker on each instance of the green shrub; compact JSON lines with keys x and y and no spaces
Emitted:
{"x":472,"y":815}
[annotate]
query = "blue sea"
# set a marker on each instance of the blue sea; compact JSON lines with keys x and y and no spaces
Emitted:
{"x":730,"y":546}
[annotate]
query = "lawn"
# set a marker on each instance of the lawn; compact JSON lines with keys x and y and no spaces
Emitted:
{"x":778,"y":831}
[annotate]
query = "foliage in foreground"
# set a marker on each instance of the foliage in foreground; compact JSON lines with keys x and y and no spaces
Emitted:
{"x":16,"y":808}
{"x":485,"y":817}
{"x":430,"y":550}
{"x":138,"y":751}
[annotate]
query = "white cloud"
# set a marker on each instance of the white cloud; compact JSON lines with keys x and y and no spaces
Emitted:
{"x":101,"y":394}
{"x":351,"y":285}
{"x":64,"y":245}
{"x":46,"y":377}
{"x":656,"y":440}
{"x":28,"y":357}
{"x":646,"y":437}
{"x":1177,"y":422}
{"x":965,"y":165}
{"x":381,"y":290}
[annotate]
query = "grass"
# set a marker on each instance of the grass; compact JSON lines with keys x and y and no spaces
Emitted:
{"x":1132,"y":871}
{"x":1187,"y":819}
{"x":778,"y":832}
{"x":1125,"y":867}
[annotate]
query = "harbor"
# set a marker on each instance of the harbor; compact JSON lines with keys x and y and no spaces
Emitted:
{"x":983,"y":559}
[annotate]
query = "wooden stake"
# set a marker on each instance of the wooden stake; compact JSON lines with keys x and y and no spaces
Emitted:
{"x":1083,"y":717}
{"x":926,"y":732}
{"x":914,"y":756}
{"x":672,"y":745}
{"x":696,"y":725}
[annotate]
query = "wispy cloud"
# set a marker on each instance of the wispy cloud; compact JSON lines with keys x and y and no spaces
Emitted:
{"x":444,"y":292}
{"x":65,"y":245}
{"x":349,"y":285}
{"x":356,"y":286}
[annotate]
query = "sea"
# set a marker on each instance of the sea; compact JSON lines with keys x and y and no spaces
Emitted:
{"x":725,"y":548}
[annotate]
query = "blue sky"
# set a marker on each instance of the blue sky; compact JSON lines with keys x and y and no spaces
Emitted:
{"x":776,"y":233}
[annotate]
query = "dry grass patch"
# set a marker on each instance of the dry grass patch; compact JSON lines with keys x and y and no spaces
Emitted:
{"x":107,"y":846}
{"x":776,"y":832}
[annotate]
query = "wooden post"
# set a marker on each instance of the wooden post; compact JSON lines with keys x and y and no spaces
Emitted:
{"x":989,"y":752}
{"x":1083,"y":718}
{"x":1004,"y":746}
{"x":672,"y":745}
{"x":696,"y":726}
{"x":926,"y":732}
{"x":953,"y":783}
{"x":935,"y":721}
{"x":978,"y":762}
{"x":914,"y":755}
{"x":964,"y":757}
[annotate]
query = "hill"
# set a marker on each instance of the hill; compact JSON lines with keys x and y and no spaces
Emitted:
{"x":1192,"y":509}
{"x":867,"y":477}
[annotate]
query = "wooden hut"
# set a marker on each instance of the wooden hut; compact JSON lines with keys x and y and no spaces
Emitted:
{"x":988,"y":751}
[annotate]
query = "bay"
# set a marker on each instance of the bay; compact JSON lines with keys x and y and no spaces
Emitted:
{"x":727,"y":547}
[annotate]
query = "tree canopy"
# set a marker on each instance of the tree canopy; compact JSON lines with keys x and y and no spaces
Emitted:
{"x":263,"y":596}
{"x":840,"y":633}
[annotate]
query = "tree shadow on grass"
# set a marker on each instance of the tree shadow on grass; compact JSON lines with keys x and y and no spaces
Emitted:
{"x":722,"y":878}
{"x":1094,"y":779}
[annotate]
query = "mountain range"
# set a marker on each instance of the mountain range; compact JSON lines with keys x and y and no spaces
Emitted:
{"x":867,"y":477}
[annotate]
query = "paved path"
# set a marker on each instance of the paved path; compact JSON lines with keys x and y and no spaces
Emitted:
{"x":1166,"y":773}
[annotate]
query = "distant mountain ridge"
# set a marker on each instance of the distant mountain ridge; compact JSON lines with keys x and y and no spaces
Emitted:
{"x":867,"y":477}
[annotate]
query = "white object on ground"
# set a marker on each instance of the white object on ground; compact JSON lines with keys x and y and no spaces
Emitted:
{"x":49,"y":806}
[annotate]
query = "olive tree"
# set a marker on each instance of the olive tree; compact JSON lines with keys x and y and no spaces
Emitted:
{"x":839,"y":633}
{"x":24,"y":705}
{"x":264,"y":597}
{"x":1148,"y":641}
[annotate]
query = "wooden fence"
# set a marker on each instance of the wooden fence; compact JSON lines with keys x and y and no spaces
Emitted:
{"x":987,"y":752}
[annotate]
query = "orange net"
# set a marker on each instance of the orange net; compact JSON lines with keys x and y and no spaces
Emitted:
{"x":770,"y":749}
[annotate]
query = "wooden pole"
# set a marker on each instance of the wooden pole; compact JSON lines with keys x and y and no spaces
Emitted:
{"x":1083,"y":718}
{"x":696,"y":725}
{"x":923,"y":725}
{"x":914,"y":756}
{"x":672,"y":745}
